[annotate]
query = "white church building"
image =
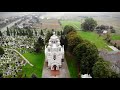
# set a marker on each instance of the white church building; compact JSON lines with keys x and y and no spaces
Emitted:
{"x":54,"y":53}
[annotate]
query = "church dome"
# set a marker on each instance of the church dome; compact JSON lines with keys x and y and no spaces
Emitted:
{"x":54,"y":36}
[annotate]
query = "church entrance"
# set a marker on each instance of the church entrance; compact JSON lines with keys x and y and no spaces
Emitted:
{"x":54,"y":67}
{"x":55,"y":71}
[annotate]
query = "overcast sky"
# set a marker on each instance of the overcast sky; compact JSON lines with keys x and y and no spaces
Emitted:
{"x":57,"y":14}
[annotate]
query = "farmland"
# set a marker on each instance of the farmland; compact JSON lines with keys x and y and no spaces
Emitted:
{"x":75,"y":24}
{"x":48,"y":24}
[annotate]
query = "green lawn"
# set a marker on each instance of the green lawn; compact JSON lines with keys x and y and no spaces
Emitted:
{"x":115,"y":37}
{"x":75,"y":24}
{"x":71,"y":66}
{"x":37,"y":60}
{"x":94,"y":38}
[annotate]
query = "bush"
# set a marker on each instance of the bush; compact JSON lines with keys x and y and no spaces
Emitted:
{"x":113,"y":31}
{"x":34,"y":76}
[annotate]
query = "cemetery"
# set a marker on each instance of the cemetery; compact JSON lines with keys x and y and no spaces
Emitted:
{"x":14,"y":59}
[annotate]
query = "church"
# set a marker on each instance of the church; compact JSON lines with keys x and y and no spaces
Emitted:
{"x":54,"y":53}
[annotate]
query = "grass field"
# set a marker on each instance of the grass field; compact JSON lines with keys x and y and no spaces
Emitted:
{"x":91,"y":36}
{"x":75,"y":24}
{"x":115,"y":37}
{"x":94,"y":38}
{"x":71,"y":66}
{"x":37,"y":60}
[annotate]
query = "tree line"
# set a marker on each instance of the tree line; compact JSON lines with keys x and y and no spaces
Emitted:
{"x":86,"y":54}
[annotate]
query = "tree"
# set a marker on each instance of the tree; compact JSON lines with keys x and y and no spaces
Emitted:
{"x":30,"y":33}
{"x":41,"y":33}
{"x":64,"y":41}
{"x":102,"y":27}
{"x":108,"y":37}
{"x":11,"y":32}
{"x":112,"y":30}
{"x":61,"y":32}
{"x":26,"y":32}
{"x":8,"y":32}
{"x":102,"y":69}
{"x":20,"y":32}
{"x":111,"y":27}
{"x":1,"y":74}
{"x":39,"y":45}
{"x":86,"y":54}
{"x":89,"y":24}
{"x":1,"y":51}
{"x":40,"y":41}
{"x":35,"y":32}
{"x":14,"y":33}
{"x":98,"y":27}
{"x":53,"y":30}
{"x":73,"y":40}
{"x":34,"y":76}
{"x":58,"y":33}
{"x":49,"y":34}
{"x":0,"y":33}
{"x":23,"y":32}
{"x":68,"y":29}
{"x":115,"y":45}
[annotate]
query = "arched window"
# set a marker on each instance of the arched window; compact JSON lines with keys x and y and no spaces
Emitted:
{"x":54,"y":57}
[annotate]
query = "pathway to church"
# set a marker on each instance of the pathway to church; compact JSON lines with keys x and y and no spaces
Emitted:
{"x":62,"y":73}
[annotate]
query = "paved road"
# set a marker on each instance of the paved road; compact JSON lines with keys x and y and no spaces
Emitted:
{"x":9,"y":25}
{"x":63,"y":72}
{"x":113,"y":48}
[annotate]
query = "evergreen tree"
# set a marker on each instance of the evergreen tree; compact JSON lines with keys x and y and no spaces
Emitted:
{"x":8,"y":32}
{"x":58,"y":33}
{"x":14,"y":32}
{"x":49,"y":34}
{"x":41,"y":33}
{"x":0,"y":33}
{"x":1,"y":51}
{"x":35,"y":32}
